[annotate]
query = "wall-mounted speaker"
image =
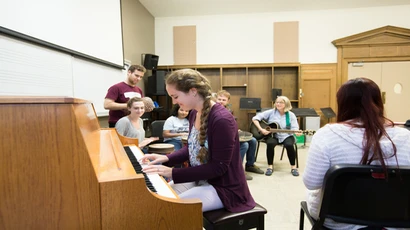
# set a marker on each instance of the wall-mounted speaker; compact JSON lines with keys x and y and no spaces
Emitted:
{"x":276,"y":93}
{"x":151,"y":61}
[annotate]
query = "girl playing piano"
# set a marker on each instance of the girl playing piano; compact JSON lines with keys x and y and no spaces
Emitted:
{"x":215,"y":175}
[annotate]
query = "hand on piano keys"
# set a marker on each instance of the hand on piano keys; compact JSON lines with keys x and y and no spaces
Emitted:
{"x":158,"y":169}
{"x":154,"y":181}
{"x":153,"y":159}
{"x":152,"y":164}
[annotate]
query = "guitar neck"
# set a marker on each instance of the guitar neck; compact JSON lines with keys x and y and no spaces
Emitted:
{"x":283,"y":131}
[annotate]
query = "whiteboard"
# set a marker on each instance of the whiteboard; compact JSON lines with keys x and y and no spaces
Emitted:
{"x":27,"y":69}
{"x":90,"y":27}
{"x":91,"y":82}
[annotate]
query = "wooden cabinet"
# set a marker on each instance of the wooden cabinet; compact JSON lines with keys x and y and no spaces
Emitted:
{"x":213,"y":75}
{"x":287,"y":79}
{"x":251,"y":80}
{"x":260,"y":85}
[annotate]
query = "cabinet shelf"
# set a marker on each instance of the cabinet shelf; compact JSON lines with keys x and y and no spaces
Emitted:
{"x":234,"y":86}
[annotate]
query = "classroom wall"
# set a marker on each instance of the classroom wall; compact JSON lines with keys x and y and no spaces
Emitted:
{"x":30,"y":69}
{"x":247,"y":38}
{"x":138,"y":29}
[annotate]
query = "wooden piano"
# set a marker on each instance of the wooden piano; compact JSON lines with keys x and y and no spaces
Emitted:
{"x":60,"y":170}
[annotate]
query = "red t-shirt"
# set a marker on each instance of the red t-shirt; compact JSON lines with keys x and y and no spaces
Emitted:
{"x":121,"y":93}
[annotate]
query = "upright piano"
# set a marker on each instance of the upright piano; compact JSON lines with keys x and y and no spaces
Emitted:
{"x":60,"y":170}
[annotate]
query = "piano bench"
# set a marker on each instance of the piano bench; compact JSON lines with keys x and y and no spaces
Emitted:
{"x":223,"y":219}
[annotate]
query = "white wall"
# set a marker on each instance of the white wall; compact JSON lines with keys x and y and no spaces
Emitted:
{"x":248,"y":38}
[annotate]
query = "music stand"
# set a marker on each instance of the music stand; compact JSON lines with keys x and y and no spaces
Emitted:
{"x":303,"y":113}
{"x":407,"y":124}
{"x":328,"y":113}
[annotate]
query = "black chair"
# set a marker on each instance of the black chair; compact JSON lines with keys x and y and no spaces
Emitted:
{"x":146,"y":119}
{"x":296,"y":154}
{"x":221,"y":219}
{"x":360,"y":195}
{"x":283,"y":150}
{"x":157,"y":127}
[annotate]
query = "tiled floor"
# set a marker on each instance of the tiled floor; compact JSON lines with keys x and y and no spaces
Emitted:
{"x":280,"y":193}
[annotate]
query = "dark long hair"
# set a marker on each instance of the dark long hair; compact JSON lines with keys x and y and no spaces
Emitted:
{"x":360,"y":105}
{"x":186,"y":79}
{"x":175,"y":109}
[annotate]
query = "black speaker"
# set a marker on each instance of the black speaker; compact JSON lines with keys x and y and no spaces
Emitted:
{"x":151,"y":61}
{"x":276,"y":93}
{"x":155,"y":84}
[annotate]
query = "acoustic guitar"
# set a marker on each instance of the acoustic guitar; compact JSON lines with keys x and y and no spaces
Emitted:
{"x":274,"y":128}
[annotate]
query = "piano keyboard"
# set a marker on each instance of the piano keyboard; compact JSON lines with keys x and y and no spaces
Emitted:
{"x":154,"y":182}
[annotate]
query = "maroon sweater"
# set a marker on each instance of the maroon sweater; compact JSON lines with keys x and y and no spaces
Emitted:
{"x":224,"y":169}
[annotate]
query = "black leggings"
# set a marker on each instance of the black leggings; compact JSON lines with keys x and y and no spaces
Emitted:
{"x":288,"y":143}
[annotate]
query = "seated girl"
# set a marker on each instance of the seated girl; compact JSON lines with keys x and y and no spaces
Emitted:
{"x":132,"y":124}
{"x":176,"y":126}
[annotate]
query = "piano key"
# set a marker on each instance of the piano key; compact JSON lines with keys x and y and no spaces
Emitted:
{"x":138,"y":168}
{"x":153,"y":181}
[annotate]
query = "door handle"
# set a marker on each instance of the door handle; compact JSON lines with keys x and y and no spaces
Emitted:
{"x":384,"y":97}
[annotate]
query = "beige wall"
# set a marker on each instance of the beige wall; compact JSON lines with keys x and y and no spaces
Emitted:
{"x":138,"y":34}
{"x":138,"y":29}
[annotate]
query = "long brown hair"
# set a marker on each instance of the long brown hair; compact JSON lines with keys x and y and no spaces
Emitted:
{"x":184,"y":80}
{"x":360,"y":105}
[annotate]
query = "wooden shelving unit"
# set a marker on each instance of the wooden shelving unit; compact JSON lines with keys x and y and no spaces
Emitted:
{"x":251,"y":80}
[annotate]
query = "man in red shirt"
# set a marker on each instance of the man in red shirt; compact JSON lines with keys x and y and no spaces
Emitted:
{"x":119,"y":94}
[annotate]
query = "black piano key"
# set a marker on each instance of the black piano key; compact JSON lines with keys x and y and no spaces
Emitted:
{"x":138,"y":168}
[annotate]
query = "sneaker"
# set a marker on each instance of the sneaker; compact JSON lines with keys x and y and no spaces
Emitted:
{"x":248,"y":177}
{"x":269,"y":172}
{"x":294,"y":172}
{"x":254,"y":169}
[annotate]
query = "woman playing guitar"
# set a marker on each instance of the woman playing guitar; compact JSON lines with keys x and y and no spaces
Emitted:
{"x":282,"y":116}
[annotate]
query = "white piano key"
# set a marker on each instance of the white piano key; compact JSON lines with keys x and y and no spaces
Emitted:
{"x":157,"y":181}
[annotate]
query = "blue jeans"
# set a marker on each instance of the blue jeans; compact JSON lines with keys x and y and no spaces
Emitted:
{"x":248,"y":148}
{"x":177,"y":146}
{"x":177,"y":143}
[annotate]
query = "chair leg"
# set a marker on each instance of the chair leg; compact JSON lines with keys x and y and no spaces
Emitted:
{"x":283,"y":150}
{"x":296,"y":156}
{"x":257,"y":150}
{"x":261,"y":223}
{"x":302,"y":219}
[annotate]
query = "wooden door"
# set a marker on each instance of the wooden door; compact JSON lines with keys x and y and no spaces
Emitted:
{"x":396,"y":85}
{"x":318,"y":88}
{"x":371,"y":70}
{"x":394,"y":82}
